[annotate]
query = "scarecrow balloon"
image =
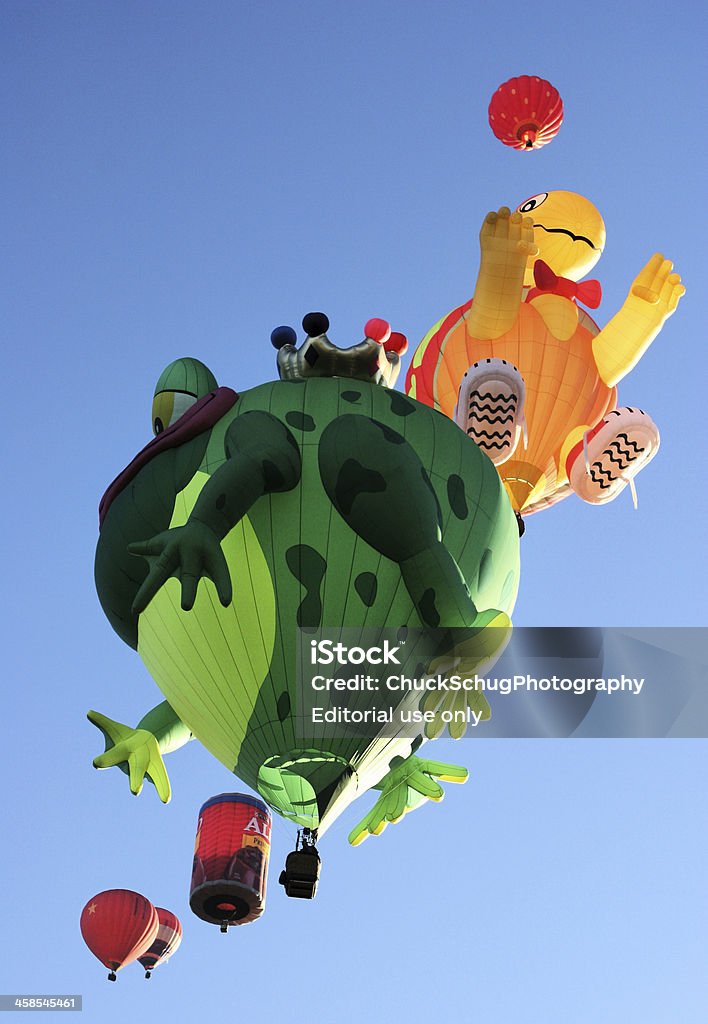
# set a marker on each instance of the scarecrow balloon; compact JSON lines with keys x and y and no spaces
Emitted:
{"x":323,"y":499}
{"x":525,"y":371}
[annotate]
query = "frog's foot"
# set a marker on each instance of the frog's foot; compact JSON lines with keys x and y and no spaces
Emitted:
{"x":404,"y":788}
{"x":611,"y":455}
{"x":490,"y":407}
{"x":470,"y":658}
{"x":137,"y":749}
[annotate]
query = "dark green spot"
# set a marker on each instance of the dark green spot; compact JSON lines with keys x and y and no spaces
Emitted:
{"x":308,"y":567}
{"x":400,"y":405}
{"x":456,"y":496}
{"x":366,"y":586}
{"x":351,"y":396}
{"x":354,"y":479}
{"x":300,"y":420}
{"x":221,"y":501}
{"x":283,"y":706}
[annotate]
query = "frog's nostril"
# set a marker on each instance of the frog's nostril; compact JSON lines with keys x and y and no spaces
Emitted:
{"x":315,"y":324}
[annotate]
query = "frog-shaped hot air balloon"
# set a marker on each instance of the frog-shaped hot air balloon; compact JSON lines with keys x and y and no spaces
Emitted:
{"x":323,"y":499}
{"x":527,"y":373}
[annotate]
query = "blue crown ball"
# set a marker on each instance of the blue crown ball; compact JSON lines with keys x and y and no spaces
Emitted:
{"x":283,"y":336}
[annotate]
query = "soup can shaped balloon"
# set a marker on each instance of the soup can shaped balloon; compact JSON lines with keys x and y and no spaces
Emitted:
{"x":231,"y":860}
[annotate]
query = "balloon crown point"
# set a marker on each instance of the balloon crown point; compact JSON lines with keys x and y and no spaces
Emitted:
{"x":315,"y":324}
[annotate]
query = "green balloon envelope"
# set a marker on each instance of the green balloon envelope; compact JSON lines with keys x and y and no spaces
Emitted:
{"x":337,"y":503}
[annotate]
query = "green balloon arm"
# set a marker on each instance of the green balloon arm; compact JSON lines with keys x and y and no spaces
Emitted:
{"x":407,"y":785}
{"x":168,"y":729}
{"x":434,"y":569}
{"x":262,"y":457}
{"x":227,"y":496}
{"x":137,"y":751}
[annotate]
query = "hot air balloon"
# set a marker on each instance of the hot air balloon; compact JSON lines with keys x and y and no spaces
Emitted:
{"x":230,"y":866}
{"x":166,"y":942}
{"x":118,"y":926}
{"x":526,"y":112}
{"x":323,"y":500}
{"x":527,"y":373}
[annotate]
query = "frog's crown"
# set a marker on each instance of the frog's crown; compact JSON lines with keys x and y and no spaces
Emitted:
{"x":377,"y":358}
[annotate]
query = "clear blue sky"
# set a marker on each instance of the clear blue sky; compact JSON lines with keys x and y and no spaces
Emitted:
{"x":179,"y":178}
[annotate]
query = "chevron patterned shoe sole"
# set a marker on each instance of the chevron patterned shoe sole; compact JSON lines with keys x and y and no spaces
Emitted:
{"x":490,"y":407}
{"x":601,"y":465}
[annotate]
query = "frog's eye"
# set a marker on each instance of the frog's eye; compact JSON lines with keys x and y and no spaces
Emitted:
{"x":168,"y":406}
{"x":532,"y":203}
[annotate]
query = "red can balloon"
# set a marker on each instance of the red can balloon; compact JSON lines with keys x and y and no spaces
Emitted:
{"x":118,"y":926}
{"x":231,"y":860}
{"x":167,"y":941}
{"x":526,"y":112}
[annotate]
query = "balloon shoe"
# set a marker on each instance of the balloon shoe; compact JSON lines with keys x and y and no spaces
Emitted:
{"x":490,"y":407}
{"x":611,"y":454}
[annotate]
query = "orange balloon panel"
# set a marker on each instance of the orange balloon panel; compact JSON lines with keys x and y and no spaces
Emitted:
{"x":563,"y":392}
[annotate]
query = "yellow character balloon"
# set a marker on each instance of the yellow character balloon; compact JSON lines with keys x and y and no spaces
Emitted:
{"x":528,"y":374}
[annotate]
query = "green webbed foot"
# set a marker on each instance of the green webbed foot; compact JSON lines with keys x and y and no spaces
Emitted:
{"x":187,"y":552}
{"x":404,"y":788}
{"x":471,"y":657}
{"x":137,"y":748}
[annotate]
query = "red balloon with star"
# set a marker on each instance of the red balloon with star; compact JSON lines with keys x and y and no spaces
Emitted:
{"x":118,"y":926}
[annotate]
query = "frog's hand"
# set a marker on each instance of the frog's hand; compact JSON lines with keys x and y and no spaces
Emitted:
{"x":471,"y":657}
{"x":137,"y":748}
{"x":187,"y":552}
{"x":404,"y":788}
